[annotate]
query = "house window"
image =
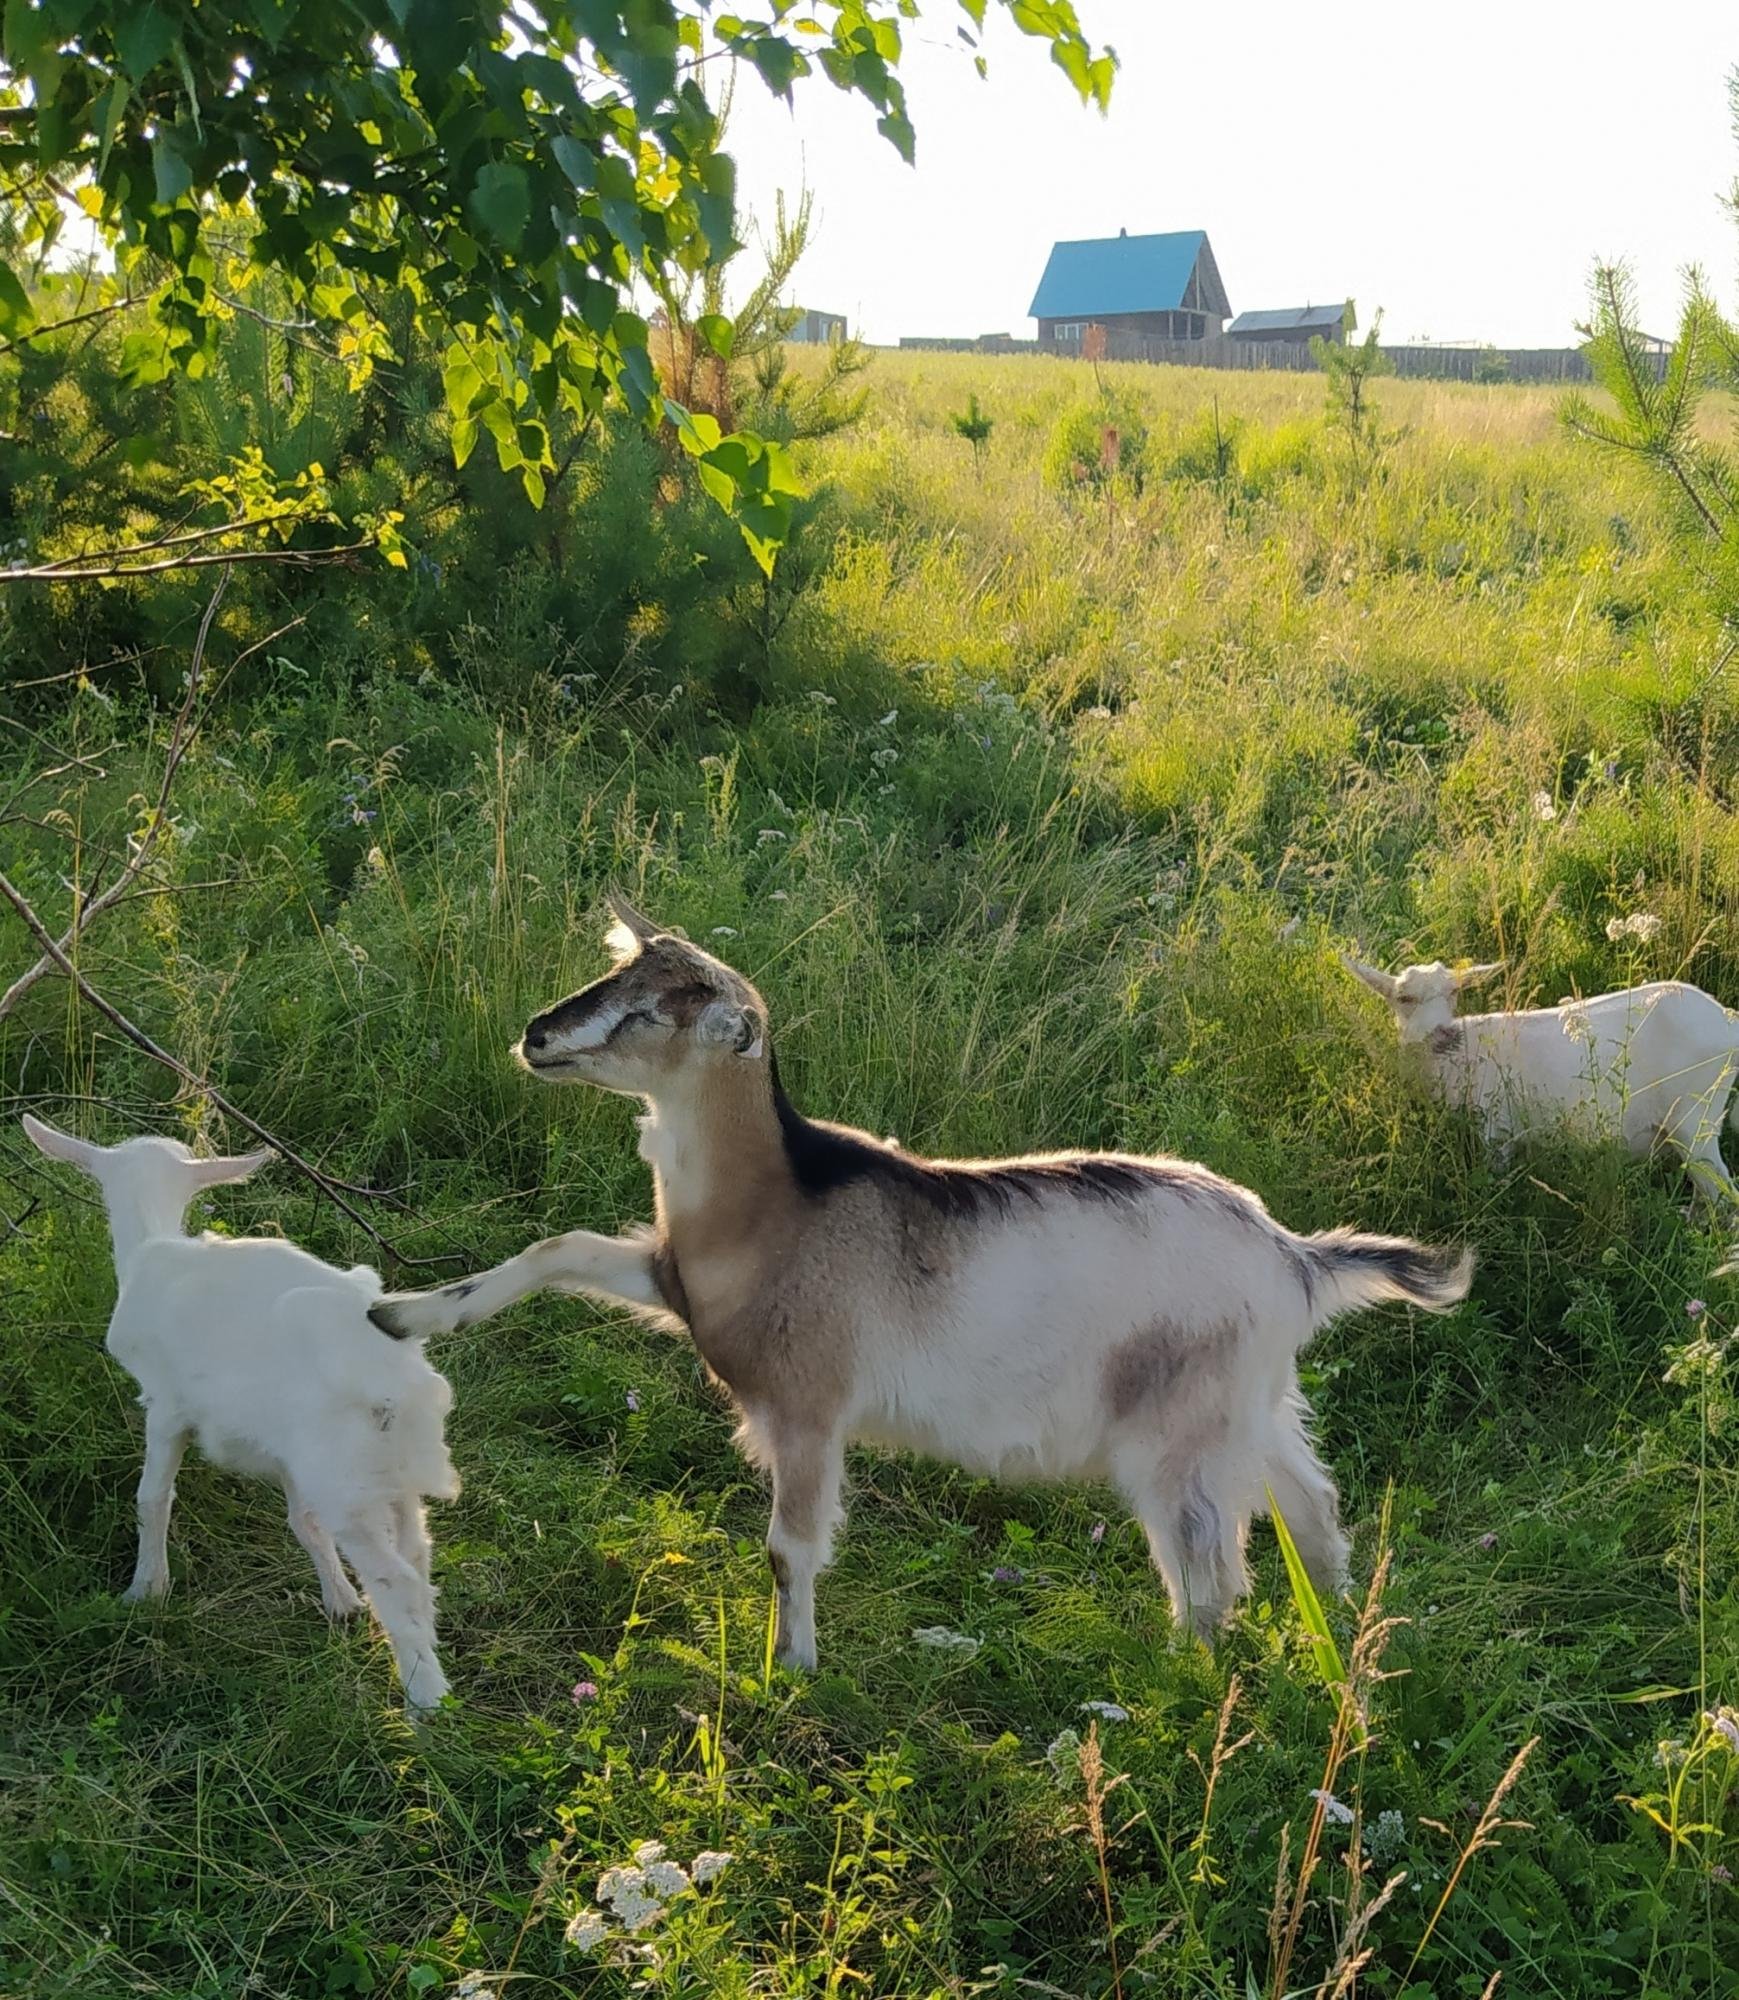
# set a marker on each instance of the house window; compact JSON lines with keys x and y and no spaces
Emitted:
{"x":1070,"y":329}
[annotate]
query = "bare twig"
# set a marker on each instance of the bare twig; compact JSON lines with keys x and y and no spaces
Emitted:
{"x":111,"y":564}
{"x":180,"y":737}
{"x":335,"y":1191}
{"x":61,"y":325}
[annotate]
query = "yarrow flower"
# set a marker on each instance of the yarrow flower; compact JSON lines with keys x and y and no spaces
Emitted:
{"x":1107,"y":1711}
{"x":667,"y":1879}
{"x":475,"y":1986}
{"x":1064,"y":1757}
{"x":1725,"y":1723}
{"x":584,"y":1691}
{"x":648,"y":1852}
{"x":1543,"y":806}
{"x":940,"y":1640}
{"x":588,"y":1930}
{"x":1386,"y":1839}
{"x":1640,"y":924}
{"x":708,"y":1864}
{"x":723,"y":930}
{"x":1342,"y":1815}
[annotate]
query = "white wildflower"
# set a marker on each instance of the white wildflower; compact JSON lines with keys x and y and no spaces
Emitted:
{"x":475,"y":1986}
{"x":1342,"y":1815}
{"x":1725,"y":1723}
{"x":888,"y":720}
{"x":615,"y":1883}
{"x":770,"y":833}
{"x":1576,"y":1023}
{"x":710,"y":1862}
{"x":588,"y":1930}
{"x":1385,"y":1840}
{"x":822,"y":699}
{"x":648,"y":1852}
{"x":882,"y":791}
{"x":885,"y":756}
{"x":1099,"y":712}
{"x":667,"y":1879}
{"x":940,"y":1640}
{"x":723,"y":930}
{"x":1064,"y":1757}
{"x":1543,"y":806}
{"x":779,"y":896}
{"x":1640,"y":924}
{"x":637,"y":1912}
{"x":1107,"y":1711}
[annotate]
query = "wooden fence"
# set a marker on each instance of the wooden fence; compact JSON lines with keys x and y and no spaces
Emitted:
{"x":1447,"y":364}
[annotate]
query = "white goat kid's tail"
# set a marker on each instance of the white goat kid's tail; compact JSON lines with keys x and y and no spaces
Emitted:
{"x":1345,"y":1269}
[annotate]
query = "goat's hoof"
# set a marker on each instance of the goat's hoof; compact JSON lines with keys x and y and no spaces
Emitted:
{"x":413,"y":1315}
{"x":145,"y":1590}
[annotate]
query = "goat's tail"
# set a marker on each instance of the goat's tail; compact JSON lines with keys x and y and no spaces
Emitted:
{"x":1344,"y":1269}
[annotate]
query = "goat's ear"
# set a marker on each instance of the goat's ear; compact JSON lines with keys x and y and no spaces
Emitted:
{"x":59,"y":1145}
{"x":1470,"y":975}
{"x":725,"y":1025}
{"x":234,"y":1167}
{"x":1378,"y":982}
{"x":631,"y":929}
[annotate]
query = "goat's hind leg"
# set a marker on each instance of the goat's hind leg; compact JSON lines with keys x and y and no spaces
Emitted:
{"x":165,"y":1442}
{"x":1197,"y":1545}
{"x":1304,"y":1491}
{"x":403,"y":1602}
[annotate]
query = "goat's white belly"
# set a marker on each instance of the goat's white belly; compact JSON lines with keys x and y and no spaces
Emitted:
{"x":1002,"y":1430}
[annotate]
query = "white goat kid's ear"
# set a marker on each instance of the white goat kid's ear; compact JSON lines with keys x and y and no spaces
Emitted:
{"x":1469,"y":975}
{"x":59,"y":1145}
{"x":234,"y":1167}
{"x":631,"y":929}
{"x":725,"y":1025}
{"x":1378,"y":982}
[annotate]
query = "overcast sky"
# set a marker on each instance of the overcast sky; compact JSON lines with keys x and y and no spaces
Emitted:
{"x":1461,"y":166}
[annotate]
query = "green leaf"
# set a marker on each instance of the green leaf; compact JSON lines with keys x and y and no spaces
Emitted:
{"x":144,"y":35}
{"x":464,"y":440}
{"x":174,"y":176}
{"x":578,"y":162}
{"x":501,"y":202}
{"x":1323,"y":1649}
{"x":717,"y":332}
{"x":897,"y":128}
{"x":16,"y":311}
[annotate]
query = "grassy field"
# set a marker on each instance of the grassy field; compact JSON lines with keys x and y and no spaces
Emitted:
{"x":1037,"y":804}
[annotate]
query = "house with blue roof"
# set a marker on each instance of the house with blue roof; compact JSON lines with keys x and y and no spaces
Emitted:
{"x":1158,"y":287}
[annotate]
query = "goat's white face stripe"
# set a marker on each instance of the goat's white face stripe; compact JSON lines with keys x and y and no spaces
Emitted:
{"x":591,"y":1033}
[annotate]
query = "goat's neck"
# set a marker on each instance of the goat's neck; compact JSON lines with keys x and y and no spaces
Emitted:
{"x":711,"y":1144}
{"x":138,"y":1217}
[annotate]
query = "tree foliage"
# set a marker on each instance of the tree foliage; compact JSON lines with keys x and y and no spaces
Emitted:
{"x":517,"y":180}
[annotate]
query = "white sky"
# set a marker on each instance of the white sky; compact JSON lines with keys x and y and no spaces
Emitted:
{"x":1461,"y":166}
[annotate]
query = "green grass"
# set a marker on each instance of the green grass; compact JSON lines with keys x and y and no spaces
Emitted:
{"x":1012,"y":826}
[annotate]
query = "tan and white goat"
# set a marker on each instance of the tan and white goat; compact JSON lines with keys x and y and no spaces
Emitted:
{"x":1057,"y":1316}
{"x":1652,"y":1065}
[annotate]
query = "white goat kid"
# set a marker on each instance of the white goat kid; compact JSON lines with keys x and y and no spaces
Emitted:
{"x":1652,"y":1066}
{"x":1058,"y":1316}
{"x":265,"y":1355}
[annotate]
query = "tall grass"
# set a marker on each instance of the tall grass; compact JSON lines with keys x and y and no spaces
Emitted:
{"x":1038,"y":821}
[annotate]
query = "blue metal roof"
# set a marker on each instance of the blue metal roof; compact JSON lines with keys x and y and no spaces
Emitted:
{"x":1118,"y":274}
{"x":1289,"y":317}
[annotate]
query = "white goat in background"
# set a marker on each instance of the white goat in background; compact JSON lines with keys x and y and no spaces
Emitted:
{"x":1653,"y":1065}
{"x":1058,"y":1316}
{"x":265,"y":1355}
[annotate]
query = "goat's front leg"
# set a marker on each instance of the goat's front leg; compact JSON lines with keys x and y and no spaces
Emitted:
{"x":808,"y":1467}
{"x":165,"y":1442}
{"x":618,"y":1268}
